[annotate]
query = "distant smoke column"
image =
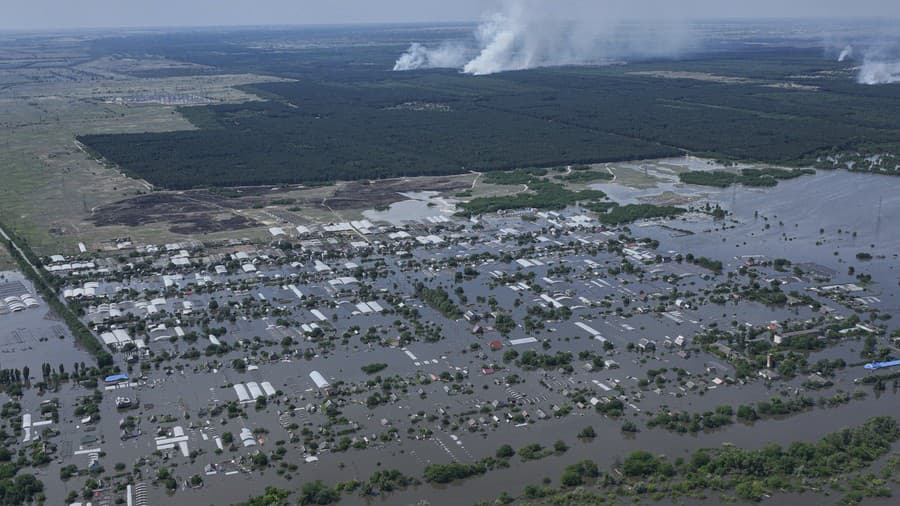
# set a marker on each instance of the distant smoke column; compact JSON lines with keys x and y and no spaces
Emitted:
{"x":501,"y":40}
{"x":414,"y":58}
{"x":447,"y":55}
{"x":526,"y":34}
{"x":846,"y":53}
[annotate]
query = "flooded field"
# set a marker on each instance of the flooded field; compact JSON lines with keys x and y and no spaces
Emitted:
{"x":418,"y":206}
{"x":31,"y":333}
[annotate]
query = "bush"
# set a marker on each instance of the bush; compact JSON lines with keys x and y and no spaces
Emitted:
{"x":316,"y":492}
{"x":640,"y":463}
{"x":505,"y":452}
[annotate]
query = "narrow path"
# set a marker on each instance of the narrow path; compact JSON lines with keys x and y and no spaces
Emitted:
{"x":611,"y":173}
{"x":474,"y":181}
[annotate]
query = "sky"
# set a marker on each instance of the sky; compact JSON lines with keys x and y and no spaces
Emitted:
{"x":66,"y":14}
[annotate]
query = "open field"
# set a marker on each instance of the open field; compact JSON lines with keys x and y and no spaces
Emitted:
{"x":51,"y":187}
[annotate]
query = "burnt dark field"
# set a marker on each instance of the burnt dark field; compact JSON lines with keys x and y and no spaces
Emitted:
{"x":348,"y":116}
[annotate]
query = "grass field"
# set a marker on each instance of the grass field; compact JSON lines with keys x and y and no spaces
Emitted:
{"x":50,"y":186}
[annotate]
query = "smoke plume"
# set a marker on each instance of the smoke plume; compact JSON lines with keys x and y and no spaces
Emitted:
{"x":873,"y":49}
{"x":447,"y":55}
{"x":879,"y":72}
{"x":880,"y":63}
{"x":847,"y":52}
{"x":525,"y":34}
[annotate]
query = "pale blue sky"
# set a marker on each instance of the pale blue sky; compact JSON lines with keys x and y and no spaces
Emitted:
{"x":33,"y":14}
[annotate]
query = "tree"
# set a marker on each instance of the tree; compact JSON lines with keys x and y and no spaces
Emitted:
{"x":445,"y":473}
{"x":261,"y":460}
{"x":315,"y":492}
{"x":560,"y":446}
{"x":571,"y":479}
{"x":746,"y":413}
{"x":505,"y":452}
{"x":640,"y":463}
{"x":869,"y":346}
{"x":272,"y":497}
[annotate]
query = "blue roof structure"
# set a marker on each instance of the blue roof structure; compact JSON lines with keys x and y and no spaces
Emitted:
{"x":878,"y":365}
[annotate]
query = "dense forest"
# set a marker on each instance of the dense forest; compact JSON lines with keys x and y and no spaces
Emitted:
{"x":345,"y":116}
{"x":274,"y":142}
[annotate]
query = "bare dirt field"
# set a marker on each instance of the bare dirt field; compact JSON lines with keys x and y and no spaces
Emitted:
{"x":185,"y":215}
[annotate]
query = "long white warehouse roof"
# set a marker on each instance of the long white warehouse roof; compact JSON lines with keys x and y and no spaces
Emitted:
{"x":318,"y":379}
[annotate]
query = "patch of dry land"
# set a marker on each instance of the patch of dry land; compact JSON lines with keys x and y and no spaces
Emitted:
{"x":52,"y":189}
{"x":715,"y":78}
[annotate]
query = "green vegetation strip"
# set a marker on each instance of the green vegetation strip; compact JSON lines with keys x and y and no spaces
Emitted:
{"x":540,"y":195}
{"x":585,"y":177}
{"x":724,"y":415}
{"x":747,"y":177}
{"x":619,"y":215}
{"x":439,"y":300}
{"x":546,"y":195}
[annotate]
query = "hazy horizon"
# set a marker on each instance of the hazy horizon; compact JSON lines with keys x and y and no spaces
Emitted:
{"x":43,"y":15}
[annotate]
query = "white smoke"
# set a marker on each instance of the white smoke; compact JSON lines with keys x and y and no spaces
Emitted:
{"x":880,"y":63}
{"x":847,"y":52}
{"x":526,"y":34}
{"x":447,"y":55}
{"x":876,"y":52}
{"x":879,"y":72}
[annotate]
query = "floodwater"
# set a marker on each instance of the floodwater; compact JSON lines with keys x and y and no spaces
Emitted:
{"x":35,"y":335}
{"x":793,"y":211}
{"x":867,"y":204}
{"x":825,"y":219}
{"x":418,"y":206}
{"x":608,"y":449}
